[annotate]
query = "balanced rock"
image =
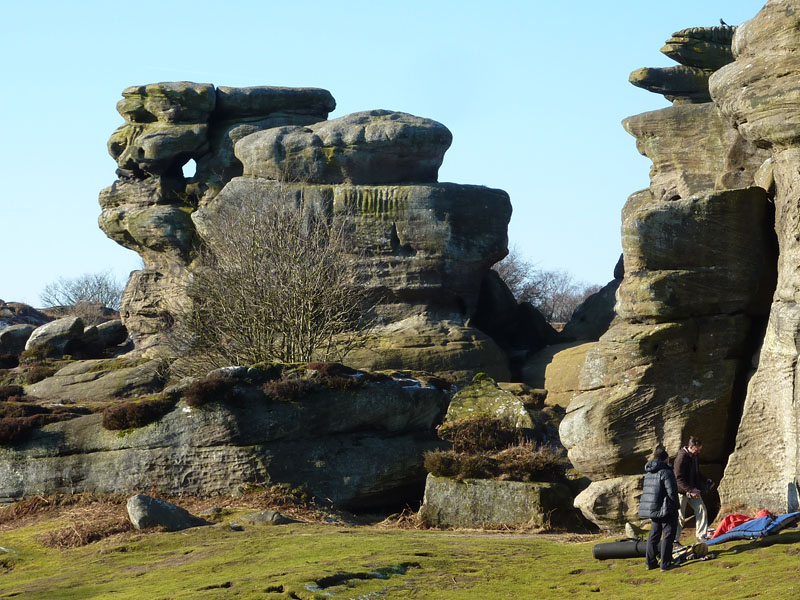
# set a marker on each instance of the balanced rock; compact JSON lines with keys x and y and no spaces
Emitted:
{"x":145,"y":512}
{"x":377,"y":146}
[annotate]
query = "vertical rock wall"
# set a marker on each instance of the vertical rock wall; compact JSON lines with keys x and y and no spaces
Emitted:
{"x":698,"y":277}
{"x":760,"y":94}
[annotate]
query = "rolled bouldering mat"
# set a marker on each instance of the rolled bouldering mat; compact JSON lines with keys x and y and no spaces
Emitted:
{"x":623,"y":549}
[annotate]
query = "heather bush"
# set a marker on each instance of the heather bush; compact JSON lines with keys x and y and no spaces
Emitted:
{"x":289,"y":390}
{"x":36,"y":373}
{"x":11,"y":392}
{"x":479,"y":434}
{"x":210,"y":389}
{"x":131,"y":415}
{"x":13,"y":431}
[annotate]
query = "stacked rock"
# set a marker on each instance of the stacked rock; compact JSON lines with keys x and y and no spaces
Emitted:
{"x":699,"y":273}
{"x":424,"y":246}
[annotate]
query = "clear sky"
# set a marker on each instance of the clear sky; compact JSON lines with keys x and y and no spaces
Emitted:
{"x":533,"y":92}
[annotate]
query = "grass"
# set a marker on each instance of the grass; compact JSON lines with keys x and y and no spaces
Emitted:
{"x":314,"y":560}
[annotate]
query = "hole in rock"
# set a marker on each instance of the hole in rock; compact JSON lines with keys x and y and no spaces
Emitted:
{"x":189,"y":169}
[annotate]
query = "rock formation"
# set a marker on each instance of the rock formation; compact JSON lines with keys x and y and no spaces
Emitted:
{"x":425,"y":246}
{"x":760,"y":96}
{"x":699,"y":271}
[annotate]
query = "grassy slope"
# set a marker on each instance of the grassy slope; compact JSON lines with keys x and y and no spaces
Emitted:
{"x":291,"y":561}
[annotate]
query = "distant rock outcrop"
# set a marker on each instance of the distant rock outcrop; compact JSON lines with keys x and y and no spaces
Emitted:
{"x":425,"y":245}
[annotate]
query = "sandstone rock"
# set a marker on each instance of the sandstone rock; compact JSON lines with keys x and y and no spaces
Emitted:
{"x":703,"y":47}
{"x":268,"y":517}
{"x":112,"y":333}
{"x":98,"y":379}
{"x":359,"y":448}
{"x":170,"y":102}
{"x":423,"y":344}
{"x":259,"y":101}
{"x":475,"y":503}
{"x":370,"y":147}
{"x":593,"y":316}
{"x":557,"y":369}
{"x":693,"y":150}
{"x":679,"y":84}
{"x":14,"y":337}
{"x":145,"y":512}
{"x":611,"y":503}
{"x":485,"y":398}
{"x":56,"y":338}
{"x":17,"y":313}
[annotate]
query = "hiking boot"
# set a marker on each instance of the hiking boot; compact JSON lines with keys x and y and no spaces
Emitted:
{"x":669,"y":567}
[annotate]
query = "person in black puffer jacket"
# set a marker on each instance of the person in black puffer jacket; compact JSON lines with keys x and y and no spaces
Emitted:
{"x":659,"y":503}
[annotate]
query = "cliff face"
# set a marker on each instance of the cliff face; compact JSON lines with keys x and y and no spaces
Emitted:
{"x":760,"y":95}
{"x":699,"y":258}
{"x":424,"y":246}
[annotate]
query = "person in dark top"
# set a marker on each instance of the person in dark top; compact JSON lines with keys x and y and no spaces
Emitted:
{"x":691,"y":484}
{"x":659,"y":503}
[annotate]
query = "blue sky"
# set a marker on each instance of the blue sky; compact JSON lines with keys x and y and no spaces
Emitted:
{"x":533,"y":92}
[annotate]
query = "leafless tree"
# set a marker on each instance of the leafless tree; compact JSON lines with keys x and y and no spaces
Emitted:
{"x":555,"y":294}
{"x":276,"y":281}
{"x":90,"y":288}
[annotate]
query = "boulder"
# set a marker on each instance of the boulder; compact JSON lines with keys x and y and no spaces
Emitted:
{"x":485,"y":398}
{"x":111,"y":333}
{"x":476,"y":503}
{"x":98,"y":379}
{"x":679,"y":84}
{"x":611,"y":503}
{"x":17,"y":313}
{"x":56,"y":338}
{"x":377,"y":146}
{"x":267,"y":517}
{"x":14,"y":338}
{"x":145,"y":512}
{"x":593,"y":316}
{"x":702,"y":47}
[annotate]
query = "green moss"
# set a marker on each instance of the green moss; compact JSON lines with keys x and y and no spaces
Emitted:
{"x":306,"y":562}
{"x":115,"y":364}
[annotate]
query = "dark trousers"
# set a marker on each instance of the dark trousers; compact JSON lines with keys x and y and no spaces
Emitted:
{"x":667,"y":526}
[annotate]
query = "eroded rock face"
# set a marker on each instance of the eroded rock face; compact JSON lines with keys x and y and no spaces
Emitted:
{"x":760,"y":95}
{"x":359,"y":448}
{"x":699,"y":272}
{"x":424,"y":246}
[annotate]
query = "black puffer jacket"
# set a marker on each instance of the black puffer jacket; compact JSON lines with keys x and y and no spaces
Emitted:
{"x":660,"y":492}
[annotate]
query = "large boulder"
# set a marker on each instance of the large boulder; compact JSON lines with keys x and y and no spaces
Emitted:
{"x":56,"y":338}
{"x":376,"y":146}
{"x":484,"y":398}
{"x":145,"y":512}
{"x":557,"y":369}
{"x":476,"y":503}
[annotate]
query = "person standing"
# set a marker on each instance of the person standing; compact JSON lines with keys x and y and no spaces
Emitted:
{"x":691,"y":484}
{"x":659,"y":503}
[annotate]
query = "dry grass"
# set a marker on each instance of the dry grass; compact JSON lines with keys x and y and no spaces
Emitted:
{"x":479,"y":434}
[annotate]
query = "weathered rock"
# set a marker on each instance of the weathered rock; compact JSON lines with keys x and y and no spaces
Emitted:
{"x":370,"y":147}
{"x":259,"y":101}
{"x":760,"y":94}
{"x":703,"y":47}
{"x":145,"y":512}
{"x":111,"y":333}
{"x":98,"y":379}
{"x":611,"y":503}
{"x":481,"y":502}
{"x":593,"y":316}
{"x":423,"y":344}
{"x":485,"y":398}
{"x":679,"y":84}
{"x":56,"y":338}
{"x":557,"y":369}
{"x":693,"y":150}
{"x":267,"y":517}
{"x":13,"y":338}
{"x":17,"y":313}
{"x":359,"y":448}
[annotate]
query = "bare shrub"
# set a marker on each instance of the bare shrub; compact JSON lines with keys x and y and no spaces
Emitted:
{"x":532,"y":462}
{"x":556,"y":294}
{"x":88,"y":289}
{"x":131,"y":415}
{"x":35,"y":373}
{"x":277,"y":281}
{"x":479,"y":434}
{"x":14,"y":430}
